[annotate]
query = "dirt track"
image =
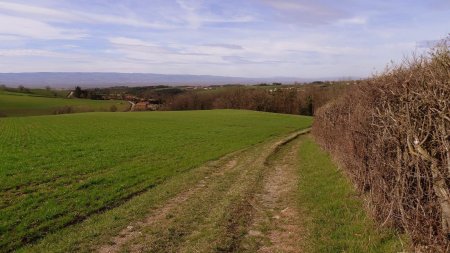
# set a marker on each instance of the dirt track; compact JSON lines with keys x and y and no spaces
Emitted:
{"x":245,"y":204}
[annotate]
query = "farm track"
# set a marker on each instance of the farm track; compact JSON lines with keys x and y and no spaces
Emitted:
{"x":132,"y":104}
{"x":276,"y":223}
{"x":244,"y":205}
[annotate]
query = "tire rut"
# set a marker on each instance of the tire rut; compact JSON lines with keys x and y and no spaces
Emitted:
{"x":132,"y":231}
{"x":216,"y":213}
{"x":276,"y":223}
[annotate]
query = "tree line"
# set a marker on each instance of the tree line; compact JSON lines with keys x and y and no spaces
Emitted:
{"x":299,"y":99}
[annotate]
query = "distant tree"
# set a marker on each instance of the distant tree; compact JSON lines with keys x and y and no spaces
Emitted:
{"x":310,"y":106}
{"x":78,"y":92}
{"x":21,"y":88}
{"x":276,"y":83}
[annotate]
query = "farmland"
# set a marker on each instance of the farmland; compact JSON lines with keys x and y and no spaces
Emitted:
{"x":224,"y":126}
{"x":57,"y":171}
{"x":22,"y":104}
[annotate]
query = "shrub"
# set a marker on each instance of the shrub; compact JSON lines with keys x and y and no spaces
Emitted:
{"x":391,"y":135}
{"x":64,"y":110}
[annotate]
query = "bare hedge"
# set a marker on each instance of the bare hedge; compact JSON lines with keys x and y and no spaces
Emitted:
{"x":392,"y":137}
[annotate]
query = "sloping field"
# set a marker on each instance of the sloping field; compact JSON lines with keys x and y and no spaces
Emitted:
{"x":20,"y":104}
{"x":58,"y":171}
{"x":280,"y":195}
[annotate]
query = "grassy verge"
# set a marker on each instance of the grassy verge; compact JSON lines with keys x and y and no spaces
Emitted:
{"x":335,"y":218}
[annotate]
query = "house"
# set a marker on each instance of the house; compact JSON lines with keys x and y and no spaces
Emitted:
{"x":141,"y":106}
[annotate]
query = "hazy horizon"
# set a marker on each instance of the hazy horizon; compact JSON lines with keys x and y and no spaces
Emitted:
{"x":110,"y":79}
{"x":152,"y":73}
{"x":254,"y":39}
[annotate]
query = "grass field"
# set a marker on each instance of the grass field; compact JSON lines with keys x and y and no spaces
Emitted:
{"x":334,"y":214}
{"x":21,"y":104}
{"x":56,"y":171}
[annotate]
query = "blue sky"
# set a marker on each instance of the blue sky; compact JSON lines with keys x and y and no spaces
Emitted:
{"x":251,"y":38}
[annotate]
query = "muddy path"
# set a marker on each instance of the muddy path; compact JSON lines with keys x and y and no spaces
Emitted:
{"x":245,"y":204}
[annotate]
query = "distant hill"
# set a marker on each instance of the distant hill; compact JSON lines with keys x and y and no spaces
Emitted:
{"x":94,"y":79}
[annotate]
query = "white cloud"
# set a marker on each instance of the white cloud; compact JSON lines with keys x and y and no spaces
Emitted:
{"x":196,"y":16}
{"x":281,"y":37}
{"x":39,"y":53}
{"x":26,"y":27}
{"x":9,"y":38}
{"x":138,"y":49}
{"x":119,"y":20}
{"x":288,"y":5}
{"x":353,"y":21}
{"x":67,"y":16}
{"x":152,"y":53}
{"x":34,"y":10}
{"x":129,"y":42}
{"x":306,"y":11}
{"x":27,"y":52}
{"x":223,"y":45}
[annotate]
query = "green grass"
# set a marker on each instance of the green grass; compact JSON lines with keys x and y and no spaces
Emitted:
{"x":57,"y":171}
{"x":21,"y":104}
{"x":336,"y":219}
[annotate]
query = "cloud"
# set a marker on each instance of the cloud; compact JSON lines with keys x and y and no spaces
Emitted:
{"x":290,"y":5}
{"x":125,"y":41}
{"x":138,"y":49}
{"x":353,"y":21}
{"x":34,"y":53}
{"x":119,"y":20}
{"x":233,"y":37}
{"x":167,"y":53}
{"x":25,"y":27}
{"x":242,"y":60}
{"x":25,"y":52}
{"x":197,"y":14}
{"x":227,"y":46}
{"x":70,"y":16}
{"x":306,"y":12}
{"x":235,"y":59}
{"x":9,"y":38}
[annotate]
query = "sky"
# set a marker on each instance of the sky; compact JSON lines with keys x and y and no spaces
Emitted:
{"x":246,"y":38}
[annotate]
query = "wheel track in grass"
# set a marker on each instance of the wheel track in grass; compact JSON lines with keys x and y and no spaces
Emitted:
{"x":130,"y":233}
{"x":221,"y":212}
{"x":276,"y":226}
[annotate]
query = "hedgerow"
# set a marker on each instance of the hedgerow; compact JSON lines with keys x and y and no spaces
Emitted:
{"x":391,"y":135}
